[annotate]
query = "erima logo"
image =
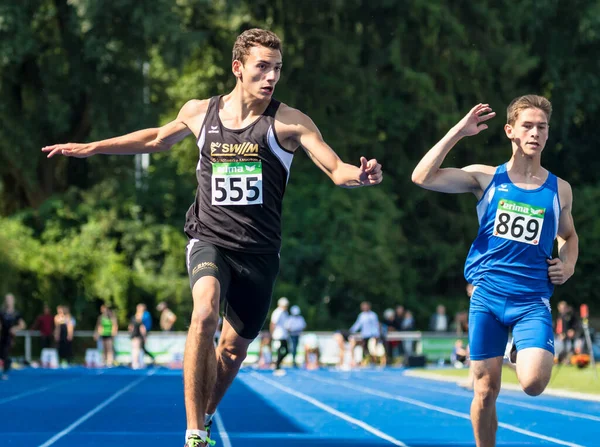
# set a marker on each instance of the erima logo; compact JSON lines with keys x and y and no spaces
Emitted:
{"x":551,"y":342}
{"x":250,"y":168}
{"x":230,"y":170}
{"x":230,"y":150}
{"x":503,"y":188}
{"x":214,"y":129}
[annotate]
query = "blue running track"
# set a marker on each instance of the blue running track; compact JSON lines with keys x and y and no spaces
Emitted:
{"x":326,"y":408}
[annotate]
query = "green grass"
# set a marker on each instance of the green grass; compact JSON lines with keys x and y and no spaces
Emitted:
{"x":565,"y":377}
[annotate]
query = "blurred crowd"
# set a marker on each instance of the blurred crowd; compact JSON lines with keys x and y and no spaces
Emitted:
{"x":371,"y":334}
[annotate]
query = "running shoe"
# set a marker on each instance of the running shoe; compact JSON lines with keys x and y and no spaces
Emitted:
{"x":207,"y":430}
{"x":196,"y":441}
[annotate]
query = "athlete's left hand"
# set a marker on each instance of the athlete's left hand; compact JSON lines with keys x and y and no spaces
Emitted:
{"x":370,"y":172}
{"x":558,"y":271}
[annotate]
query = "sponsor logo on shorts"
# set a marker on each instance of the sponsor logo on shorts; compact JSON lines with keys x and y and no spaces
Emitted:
{"x":546,"y":302}
{"x":551,"y":342}
{"x":205,"y":266}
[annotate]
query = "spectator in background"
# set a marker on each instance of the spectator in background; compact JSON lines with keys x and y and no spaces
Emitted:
{"x":399,"y":317}
{"x":167,"y":317}
{"x":408,"y":324}
{"x":279,"y":332}
{"x":265,"y":355}
{"x":461,"y":322}
{"x":398,"y":320}
{"x":64,"y":329}
{"x":567,"y":330}
{"x":137,"y":331}
{"x":45,"y":324}
{"x":312,"y":352}
{"x":146,"y":318}
{"x":468,"y":383}
{"x":367,"y":324}
{"x":295,"y":324}
{"x":147,"y":322}
{"x":459,"y":357}
{"x":388,"y":325}
{"x":439,"y":320}
{"x":11,"y":322}
{"x":342,"y":337}
{"x":106,"y":330}
{"x":461,"y":319}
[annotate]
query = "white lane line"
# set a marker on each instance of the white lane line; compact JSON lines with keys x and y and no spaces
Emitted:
{"x":36,"y":390}
{"x":502,"y":400}
{"x":418,"y":403}
{"x":506,"y":401}
{"x":330,"y":410}
{"x":221,"y":430}
{"x":91,"y":413}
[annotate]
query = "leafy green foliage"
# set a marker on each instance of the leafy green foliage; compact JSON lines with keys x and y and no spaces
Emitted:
{"x":382,"y":79}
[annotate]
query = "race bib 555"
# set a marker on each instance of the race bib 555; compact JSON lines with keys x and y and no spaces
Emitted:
{"x":237,"y":183}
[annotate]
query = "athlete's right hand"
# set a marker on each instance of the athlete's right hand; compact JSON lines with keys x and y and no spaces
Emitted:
{"x":471,"y":123}
{"x":69,"y":150}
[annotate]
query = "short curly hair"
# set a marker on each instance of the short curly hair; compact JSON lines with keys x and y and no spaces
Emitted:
{"x":254,"y":37}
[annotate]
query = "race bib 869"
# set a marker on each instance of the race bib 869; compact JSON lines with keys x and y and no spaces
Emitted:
{"x":519,"y":222}
{"x":237,"y":183}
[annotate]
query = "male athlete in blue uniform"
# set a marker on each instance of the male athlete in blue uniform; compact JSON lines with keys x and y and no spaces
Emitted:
{"x":246,"y":142}
{"x":522,"y":209}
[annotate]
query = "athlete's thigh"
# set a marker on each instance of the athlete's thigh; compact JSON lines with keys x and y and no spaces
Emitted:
{"x":534,"y":338}
{"x":205,"y":260}
{"x":534,"y":367}
{"x":532,"y":324}
{"x":249,"y":296}
{"x":487,"y":334}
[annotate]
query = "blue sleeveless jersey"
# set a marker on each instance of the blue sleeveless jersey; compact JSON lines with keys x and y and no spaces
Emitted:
{"x":517,"y":229}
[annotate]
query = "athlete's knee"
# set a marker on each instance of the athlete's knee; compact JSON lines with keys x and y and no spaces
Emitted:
{"x":534,"y":386}
{"x":205,"y":320}
{"x":231,"y":354}
{"x":486,"y":391}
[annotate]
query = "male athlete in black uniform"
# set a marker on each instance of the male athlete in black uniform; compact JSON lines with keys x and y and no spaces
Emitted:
{"x":246,"y":141}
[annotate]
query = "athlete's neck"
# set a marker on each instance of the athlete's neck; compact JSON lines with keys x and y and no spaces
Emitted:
{"x":241,"y":108}
{"x":526,"y":169}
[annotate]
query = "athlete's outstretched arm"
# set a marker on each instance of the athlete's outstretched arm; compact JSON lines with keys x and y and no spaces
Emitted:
{"x":342,"y":174}
{"x":562,"y":268}
{"x":143,"y":141}
{"x":428,"y":174}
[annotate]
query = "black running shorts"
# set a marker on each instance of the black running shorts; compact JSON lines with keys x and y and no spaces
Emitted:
{"x":246,"y":281}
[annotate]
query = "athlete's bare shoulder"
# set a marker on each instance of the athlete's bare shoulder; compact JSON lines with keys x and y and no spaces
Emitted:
{"x":565,"y":193}
{"x":192,"y":114}
{"x":289,"y":124}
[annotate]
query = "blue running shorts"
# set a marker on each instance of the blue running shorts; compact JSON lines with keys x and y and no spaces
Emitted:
{"x":492,"y":314}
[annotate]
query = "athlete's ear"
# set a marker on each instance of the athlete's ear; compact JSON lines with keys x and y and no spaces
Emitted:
{"x":509,"y":131}
{"x":236,"y":68}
